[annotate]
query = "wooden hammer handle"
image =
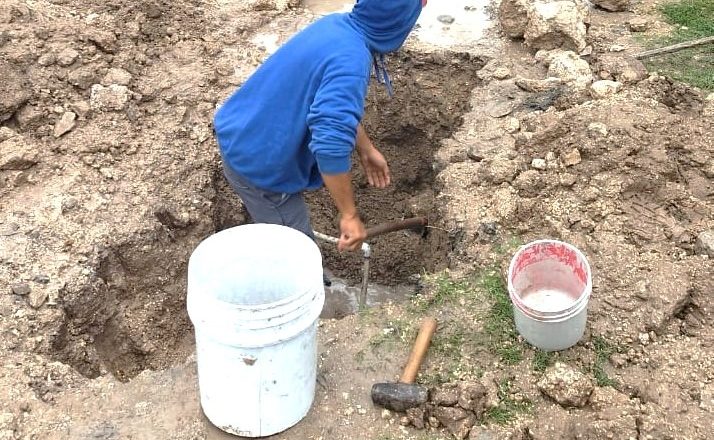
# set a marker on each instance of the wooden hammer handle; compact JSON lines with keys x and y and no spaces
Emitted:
{"x":426,"y":331}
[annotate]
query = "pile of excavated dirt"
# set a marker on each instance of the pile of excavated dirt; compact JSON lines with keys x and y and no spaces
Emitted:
{"x":110,"y":176}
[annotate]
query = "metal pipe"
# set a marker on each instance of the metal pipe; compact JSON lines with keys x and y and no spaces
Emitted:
{"x":384,"y":228}
{"x":365,"y":283}
{"x":416,"y":223}
{"x":366,"y":249}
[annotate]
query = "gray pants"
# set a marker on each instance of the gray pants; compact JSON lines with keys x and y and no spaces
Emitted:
{"x":269,"y":207}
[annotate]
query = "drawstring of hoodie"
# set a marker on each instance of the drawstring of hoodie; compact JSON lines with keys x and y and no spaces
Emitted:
{"x":380,"y":70}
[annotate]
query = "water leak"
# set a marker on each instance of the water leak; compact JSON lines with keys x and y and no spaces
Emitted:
{"x":342,"y":299}
{"x":322,"y":7}
{"x":454,"y":22}
{"x":442,"y":23}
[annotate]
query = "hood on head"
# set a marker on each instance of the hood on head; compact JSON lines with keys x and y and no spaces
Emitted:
{"x":386,"y":23}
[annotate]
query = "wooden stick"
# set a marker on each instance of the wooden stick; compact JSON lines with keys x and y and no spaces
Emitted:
{"x":674,"y":47}
{"x":416,"y":357}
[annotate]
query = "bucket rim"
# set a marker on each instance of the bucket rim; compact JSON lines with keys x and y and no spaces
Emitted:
{"x":558,"y":315}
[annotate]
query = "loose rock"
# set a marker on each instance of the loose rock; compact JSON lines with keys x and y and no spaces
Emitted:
{"x":529,"y":183}
{"x":705,"y":243}
{"x":117,"y":76}
{"x":446,"y":19}
{"x":13,"y":90}
{"x":620,"y":68}
{"x":113,"y":97}
{"x":47,"y":59}
{"x":571,"y":158}
{"x":482,"y":433}
{"x":538,"y":86}
{"x":105,"y":40}
{"x":539,"y":164}
{"x":65,"y":124}
{"x":16,"y":154}
{"x":417,"y":417}
{"x":513,"y":15}
{"x":83,"y":77}
{"x":612,"y":5}
{"x":21,"y":289}
{"x":556,"y":24}
{"x":669,"y":293}
{"x":571,"y":69}
{"x":475,"y":153}
{"x":6,"y":133}
{"x":41,"y":279}
{"x":502,"y":169}
{"x":566,"y":385}
{"x":494,"y":69}
{"x":604,"y":89}
{"x":28,"y":116}
{"x":567,"y":180}
{"x":456,"y":420}
{"x":708,"y":109}
{"x":472,"y":397}
{"x":67,"y":57}
{"x":597,"y":128}
{"x":499,"y":109}
{"x":37,"y":297}
{"x":639,"y":24}
{"x":445,"y":396}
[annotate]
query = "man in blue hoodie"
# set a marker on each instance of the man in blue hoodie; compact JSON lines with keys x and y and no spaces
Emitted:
{"x":294,"y":124}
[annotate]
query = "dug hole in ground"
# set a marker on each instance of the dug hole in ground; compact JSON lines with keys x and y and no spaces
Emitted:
{"x":109,"y":178}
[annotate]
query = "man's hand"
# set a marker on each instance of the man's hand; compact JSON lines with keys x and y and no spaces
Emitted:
{"x":374,"y":164}
{"x":352,"y":233}
{"x":375,"y":167}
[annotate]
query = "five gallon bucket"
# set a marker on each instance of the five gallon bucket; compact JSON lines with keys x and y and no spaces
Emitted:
{"x":255,"y":293}
{"x":549,"y":283}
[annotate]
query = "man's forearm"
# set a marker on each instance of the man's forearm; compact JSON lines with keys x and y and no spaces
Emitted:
{"x":340,"y":188}
{"x":362,"y":143}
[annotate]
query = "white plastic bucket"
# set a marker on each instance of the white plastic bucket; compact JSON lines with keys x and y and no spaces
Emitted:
{"x":549,"y":283}
{"x":255,"y":293}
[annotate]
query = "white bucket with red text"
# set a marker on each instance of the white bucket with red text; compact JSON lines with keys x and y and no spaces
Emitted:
{"x":549,"y":283}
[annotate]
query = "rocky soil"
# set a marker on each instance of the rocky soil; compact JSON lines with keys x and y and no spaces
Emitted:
{"x":109,"y":178}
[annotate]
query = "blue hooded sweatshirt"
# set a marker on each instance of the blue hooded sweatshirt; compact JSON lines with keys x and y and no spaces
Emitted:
{"x":296,"y":117}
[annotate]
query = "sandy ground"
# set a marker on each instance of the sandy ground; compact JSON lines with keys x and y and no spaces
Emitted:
{"x":109,"y":178}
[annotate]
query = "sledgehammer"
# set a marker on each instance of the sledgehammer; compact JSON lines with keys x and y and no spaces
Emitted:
{"x":406,"y":394}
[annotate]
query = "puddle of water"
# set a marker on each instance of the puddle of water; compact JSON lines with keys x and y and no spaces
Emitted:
{"x":322,"y":7}
{"x":342,"y":300}
{"x":470,"y":20}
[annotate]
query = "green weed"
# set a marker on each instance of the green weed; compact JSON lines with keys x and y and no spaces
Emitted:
{"x":508,"y":245}
{"x":542,"y":360}
{"x":603,"y":350}
{"x":507,"y":409}
{"x":396,"y":330}
{"x":694,"y":19}
{"x":696,"y":16}
{"x":442,"y":290}
{"x":499,"y":325}
{"x":510,"y":354}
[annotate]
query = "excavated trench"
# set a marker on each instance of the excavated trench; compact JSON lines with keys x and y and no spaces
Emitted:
{"x":133,"y":316}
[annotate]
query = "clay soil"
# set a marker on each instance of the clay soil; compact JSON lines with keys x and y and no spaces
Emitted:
{"x":99,"y":216}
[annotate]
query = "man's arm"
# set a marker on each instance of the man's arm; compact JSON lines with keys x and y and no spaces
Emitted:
{"x":373,"y":162}
{"x":352,"y":230}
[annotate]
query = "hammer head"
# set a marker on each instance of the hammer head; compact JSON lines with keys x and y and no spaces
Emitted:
{"x":399,"y":396}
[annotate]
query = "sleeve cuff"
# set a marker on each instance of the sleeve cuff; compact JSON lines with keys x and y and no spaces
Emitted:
{"x":333,"y":165}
